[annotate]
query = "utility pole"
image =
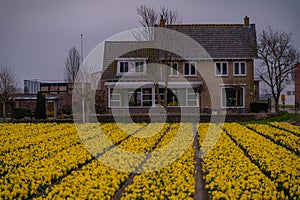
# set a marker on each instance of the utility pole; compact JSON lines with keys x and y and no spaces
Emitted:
{"x":82,"y":83}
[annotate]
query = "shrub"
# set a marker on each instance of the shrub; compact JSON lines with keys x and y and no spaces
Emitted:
{"x":40,"y":109}
{"x":20,"y":113}
{"x":66,"y":111}
{"x":257,"y":107}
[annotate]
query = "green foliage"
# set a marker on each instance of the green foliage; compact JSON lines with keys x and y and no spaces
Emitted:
{"x":20,"y":113}
{"x":256,"y":107}
{"x":283,"y":117}
{"x":65,"y":111}
{"x":40,"y":109}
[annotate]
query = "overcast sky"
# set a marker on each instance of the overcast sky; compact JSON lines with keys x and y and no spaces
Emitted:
{"x":36,"y":35}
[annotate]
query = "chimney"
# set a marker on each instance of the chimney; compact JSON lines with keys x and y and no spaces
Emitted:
{"x":246,"y":21}
{"x":161,"y":21}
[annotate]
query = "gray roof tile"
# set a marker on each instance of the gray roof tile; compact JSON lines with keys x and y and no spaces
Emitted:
{"x":222,"y":40}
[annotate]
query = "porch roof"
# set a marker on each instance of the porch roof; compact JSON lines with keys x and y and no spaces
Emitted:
{"x":33,"y":98}
{"x":171,"y":84}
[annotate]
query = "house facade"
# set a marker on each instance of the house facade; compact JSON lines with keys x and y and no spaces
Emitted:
{"x":297,"y":85}
{"x":145,"y":78}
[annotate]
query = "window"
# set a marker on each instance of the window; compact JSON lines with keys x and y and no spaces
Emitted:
{"x":288,"y":93}
{"x":147,"y":97}
{"x":115,"y":100}
{"x":44,"y":89}
{"x":139,"y":66}
{"x":239,"y":68}
{"x":191,"y":97}
{"x":131,"y":66}
{"x":232,"y":96}
{"x":190,"y":69}
{"x":174,"y":69}
{"x":123,"y":67}
{"x":173,"y":95}
{"x":221,"y":69}
{"x":140,"y":97}
{"x":161,"y":94}
{"x":63,"y":89}
{"x":135,"y":97}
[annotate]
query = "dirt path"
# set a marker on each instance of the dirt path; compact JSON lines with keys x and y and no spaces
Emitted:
{"x":200,"y":192}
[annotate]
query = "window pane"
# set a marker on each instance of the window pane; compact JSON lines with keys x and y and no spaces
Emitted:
{"x":115,"y":97}
{"x":175,"y":66}
{"x":123,"y":67}
{"x":115,"y":103}
{"x":240,"y":97}
{"x":192,"y":103}
{"x":193,"y":70}
{"x":233,"y":97}
{"x":243,"y":68}
{"x":147,"y":103}
{"x":236,"y":68}
{"x":135,"y":98}
{"x":218,"y":68}
{"x":186,"y":69}
{"x":139,"y":66}
{"x":126,"y":67}
{"x":224,"y":68}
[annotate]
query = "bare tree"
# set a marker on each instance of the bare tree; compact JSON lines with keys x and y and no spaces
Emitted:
{"x":278,"y":57}
{"x":170,"y":16}
{"x":148,"y":18}
{"x":7,"y":86}
{"x":72,"y":64}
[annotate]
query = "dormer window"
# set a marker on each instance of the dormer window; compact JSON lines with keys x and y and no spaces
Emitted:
{"x":123,"y":67}
{"x":131,"y":66}
{"x":139,"y":66}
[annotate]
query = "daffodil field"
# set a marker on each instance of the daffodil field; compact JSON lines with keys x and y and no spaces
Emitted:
{"x":53,"y":161}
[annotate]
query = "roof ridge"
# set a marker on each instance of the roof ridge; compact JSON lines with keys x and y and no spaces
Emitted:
{"x":206,"y":25}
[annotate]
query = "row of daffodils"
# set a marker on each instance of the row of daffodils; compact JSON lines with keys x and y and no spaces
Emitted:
{"x":229,"y":174}
{"x":154,"y":161}
{"x":275,"y":161}
{"x":281,"y":137}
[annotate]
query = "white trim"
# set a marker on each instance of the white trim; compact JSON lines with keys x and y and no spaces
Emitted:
{"x":153,"y":98}
{"x":233,"y":67}
{"x":221,"y":70}
{"x":243,"y":86}
{"x":131,"y":67}
{"x":172,"y":70}
{"x":131,"y":59}
{"x":190,"y":75}
{"x":187,"y":99}
{"x":212,"y":59}
{"x":108,"y":99}
{"x":176,"y":84}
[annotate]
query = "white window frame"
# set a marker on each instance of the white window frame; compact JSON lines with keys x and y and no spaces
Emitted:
{"x":195,"y":64}
{"x":194,"y":100}
{"x":132,"y":68}
{"x":139,"y":67}
{"x":111,"y":100}
{"x":240,"y":67}
{"x":172,"y":71}
{"x":148,"y":94}
{"x":228,"y":86}
{"x":221,"y":70}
